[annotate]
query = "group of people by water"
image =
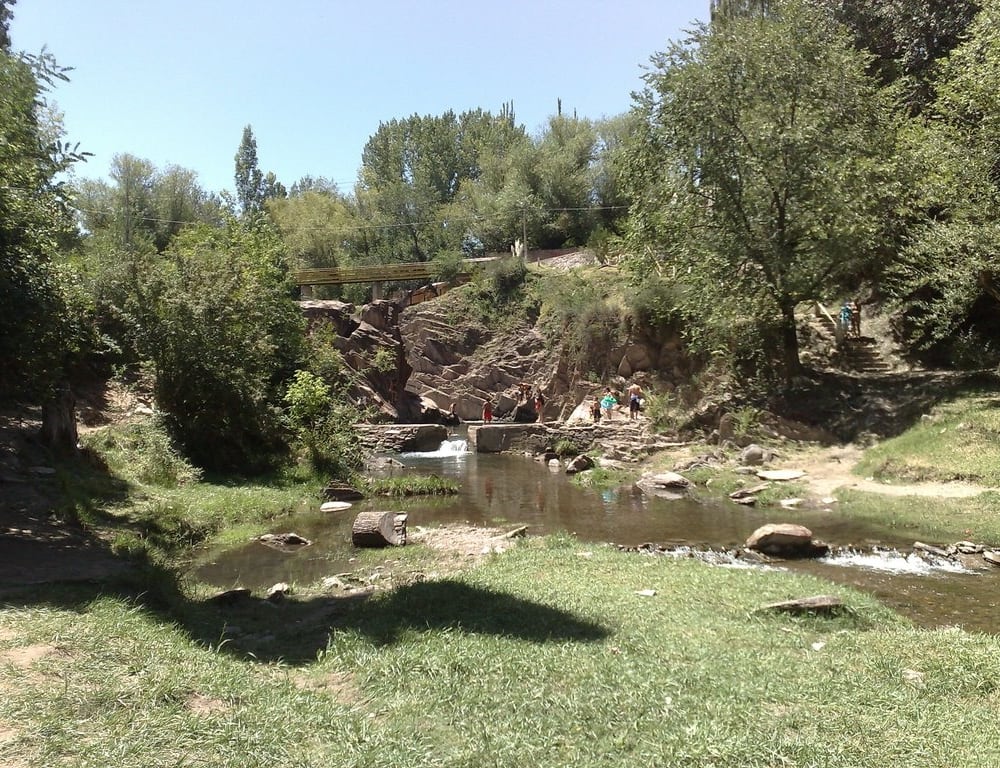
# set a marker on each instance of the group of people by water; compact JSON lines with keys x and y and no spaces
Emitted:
{"x":603,"y":407}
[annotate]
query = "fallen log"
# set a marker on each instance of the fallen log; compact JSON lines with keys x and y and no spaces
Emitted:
{"x":379,"y":529}
{"x":818,"y":604}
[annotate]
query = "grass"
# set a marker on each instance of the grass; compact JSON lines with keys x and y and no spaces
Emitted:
{"x":933,"y":520}
{"x":547,"y":655}
{"x":411,"y":485}
{"x":957,"y":441}
{"x":544,"y":656}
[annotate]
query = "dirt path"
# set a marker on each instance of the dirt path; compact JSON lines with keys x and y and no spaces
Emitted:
{"x":829,"y":469}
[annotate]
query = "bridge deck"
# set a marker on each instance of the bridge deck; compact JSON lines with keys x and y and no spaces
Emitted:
{"x":377,"y":273}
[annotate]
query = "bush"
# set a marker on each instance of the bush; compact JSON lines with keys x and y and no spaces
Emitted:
{"x":222,"y":333}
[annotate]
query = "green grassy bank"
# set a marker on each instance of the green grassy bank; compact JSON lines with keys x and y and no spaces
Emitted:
{"x":555,"y":653}
{"x":546,"y":655}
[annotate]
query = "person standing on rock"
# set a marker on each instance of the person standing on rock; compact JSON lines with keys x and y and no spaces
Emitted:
{"x":634,"y":401}
{"x":539,"y":404}
{"x":487,"y":412}
{"x":855,"y":317}
{"x":595,"y":410}
{"x":608,"y":401}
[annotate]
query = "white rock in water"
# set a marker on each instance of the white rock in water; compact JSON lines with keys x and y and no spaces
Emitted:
{"x":335,"y":506}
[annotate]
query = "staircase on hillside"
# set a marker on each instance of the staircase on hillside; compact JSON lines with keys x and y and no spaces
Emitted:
{"x":854,"y":353}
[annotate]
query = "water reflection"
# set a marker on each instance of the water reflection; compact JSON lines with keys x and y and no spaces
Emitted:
{"x":501,"y":490}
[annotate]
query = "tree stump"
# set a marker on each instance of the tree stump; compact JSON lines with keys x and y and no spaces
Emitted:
{"x":379,"y":529}
{"x":59,"y":421}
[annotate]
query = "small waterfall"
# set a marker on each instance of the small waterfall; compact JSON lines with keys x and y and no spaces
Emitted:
{"x":455,"y":447}
{"x":891,"y":561}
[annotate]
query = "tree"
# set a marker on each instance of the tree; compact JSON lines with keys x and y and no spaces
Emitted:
{"x":40,"y":330}
{"x":950,"y":279}
{"x":223,"y":335}
{"x":5,"y":16}
{"x":761,"y":176}
{"x":907,"y":38}
{"x":250,"y":190}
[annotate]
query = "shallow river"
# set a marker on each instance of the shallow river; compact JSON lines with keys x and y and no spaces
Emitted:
{"x":506,"y":491}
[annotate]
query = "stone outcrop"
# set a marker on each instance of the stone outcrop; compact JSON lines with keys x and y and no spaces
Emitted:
{"x":401,"y":438}
{"x":372,"y":346}
{"x":467,"y":364}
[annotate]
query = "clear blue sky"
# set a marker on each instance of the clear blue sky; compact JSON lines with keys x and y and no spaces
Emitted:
{"x":176,"y":82}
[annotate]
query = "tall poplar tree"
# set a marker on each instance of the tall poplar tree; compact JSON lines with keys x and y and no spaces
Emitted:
{"x":249,"y":179}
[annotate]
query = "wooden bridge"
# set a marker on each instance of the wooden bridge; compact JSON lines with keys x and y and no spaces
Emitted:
{"x":379,"y":273}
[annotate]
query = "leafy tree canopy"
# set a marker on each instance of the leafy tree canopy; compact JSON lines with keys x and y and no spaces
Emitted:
{"x":761,"y":177}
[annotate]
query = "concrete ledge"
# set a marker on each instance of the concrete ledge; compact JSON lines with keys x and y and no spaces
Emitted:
{"x":505,"y":438}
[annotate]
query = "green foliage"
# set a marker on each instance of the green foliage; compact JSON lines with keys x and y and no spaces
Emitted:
{"x":448,"y":265}
{"x":566,"y":447}
{"x":384,"y":360}
{"x":314,"y":224}
{"x":411,"y":485}
{"x":662,"y":410}
{"x":578,"y":316}
{"x":746,"y":419}
{"x":308,"y":398}
{"x":216,"y":321}
{"x":41,"y":331}
{"x":498,"y":296}
{"x":249,"y":178}
{"x":950,"y":273}
{"x":763,"y":173}
{"x":141,"y":452}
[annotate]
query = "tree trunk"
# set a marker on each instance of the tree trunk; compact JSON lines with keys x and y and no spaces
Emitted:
{"x":379,"y":529}
{"x":790,"y":342}
{"x":59,"y":421}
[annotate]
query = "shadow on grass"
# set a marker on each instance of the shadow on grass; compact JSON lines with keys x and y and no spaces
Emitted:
{"x":295,"y":631}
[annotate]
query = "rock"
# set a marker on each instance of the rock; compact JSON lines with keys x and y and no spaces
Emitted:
{"x":284,"y":541}
{"x":278,"y":592}
{"x":790,"y":503}
{"x":581,"y":463}
{"x":669,"y":480}
{"x":786,"y":540}
{"x":742,"y":493}
{"x":931,"y":549}
{"x":231,"y":596}
{"x":335,"y":506}
{"x":754,"y":455}
{"x":727,"y":428}
{"x":992,"y":556}
{"x":780,"y":474}
{"x":966,"y":548}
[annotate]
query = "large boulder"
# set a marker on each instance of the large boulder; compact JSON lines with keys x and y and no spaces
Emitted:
{"x":786,"y":540}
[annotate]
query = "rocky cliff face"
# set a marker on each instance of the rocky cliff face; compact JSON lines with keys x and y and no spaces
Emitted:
{"x":466,"y":364}
{"x":413,"y":364}
{"x":372,"y":347}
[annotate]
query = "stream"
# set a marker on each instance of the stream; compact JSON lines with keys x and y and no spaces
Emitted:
{"x":506,"y":491}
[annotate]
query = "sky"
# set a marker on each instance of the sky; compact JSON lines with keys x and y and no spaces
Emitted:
{"x":176,"y":82}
